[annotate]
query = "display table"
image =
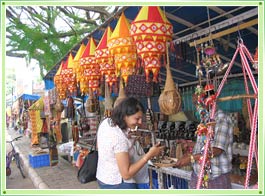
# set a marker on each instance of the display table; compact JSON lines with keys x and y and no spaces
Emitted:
{"x":180,"y":175}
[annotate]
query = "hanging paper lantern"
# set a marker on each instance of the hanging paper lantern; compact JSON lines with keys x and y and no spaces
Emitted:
{"x":90,"y":69}
{"x":107,"y":68}
{"x":67,"y":73}
{"x":77,"y":67}
{"x":151,"y":30}
{"x":58,"y":81}
{"x":123,"y":49}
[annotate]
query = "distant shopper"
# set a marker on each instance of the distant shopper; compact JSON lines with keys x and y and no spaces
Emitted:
{"x":115,"y":170}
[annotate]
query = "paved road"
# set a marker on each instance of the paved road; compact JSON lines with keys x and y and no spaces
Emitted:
{"x":61,"y":176}
{"x":15,"y":180}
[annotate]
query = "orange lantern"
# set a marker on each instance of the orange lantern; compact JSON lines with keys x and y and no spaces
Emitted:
{"x":77,"y":67}
{"x":123,"y":49}
{"x":58,"y":81}
{"x":90,"y":69}
{"x":151,"y":30}
{"x":67,"y":73}
{"x":102,"y":55}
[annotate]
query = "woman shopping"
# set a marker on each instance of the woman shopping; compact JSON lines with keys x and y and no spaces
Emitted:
{"x":115,"y":169}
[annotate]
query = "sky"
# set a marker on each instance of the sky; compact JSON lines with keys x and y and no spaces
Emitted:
{"x":24,"y":75}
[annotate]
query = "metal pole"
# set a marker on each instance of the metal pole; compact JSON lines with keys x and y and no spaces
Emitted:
{"x":220,"y":25}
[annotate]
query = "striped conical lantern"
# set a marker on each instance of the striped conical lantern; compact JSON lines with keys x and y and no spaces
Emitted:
{"x":77,"y":67}
{"x":123,"y":49}
{"x":58,"y":81}
{"x":67,"y":73}
{"x":107,"y":68}
{"x":90,"y":69}
{"x":151,"y":30}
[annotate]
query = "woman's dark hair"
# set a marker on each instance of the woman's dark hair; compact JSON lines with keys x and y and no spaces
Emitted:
{"x":127,"y":107}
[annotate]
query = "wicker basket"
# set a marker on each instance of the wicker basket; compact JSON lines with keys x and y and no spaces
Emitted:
{"x":170,"y":100}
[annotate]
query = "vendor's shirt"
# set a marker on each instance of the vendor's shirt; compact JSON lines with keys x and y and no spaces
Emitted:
{"x":110,"y":140}
{"x":223,"y":139}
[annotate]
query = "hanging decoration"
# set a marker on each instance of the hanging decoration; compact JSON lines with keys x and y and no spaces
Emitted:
{"x":169,"y":101}
{"x":77,"y":67}
{"x":211,"y":97}
{"x":151,"y":30}
{"x":107,"y":67}
{"x":58,"y":81}
{"x":35,"y":118}
{"x":210,"y":59}
{"x":204,"y":100}
{"x":253,"y":114}
{"x":68,"y":76}
{"x":90,"y":70}
{"x":123,"y":49}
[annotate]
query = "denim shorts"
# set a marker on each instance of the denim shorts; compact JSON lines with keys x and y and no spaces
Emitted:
{"x":122,"y":185}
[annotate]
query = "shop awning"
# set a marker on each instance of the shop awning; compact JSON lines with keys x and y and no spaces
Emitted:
{"x":29,"y":97}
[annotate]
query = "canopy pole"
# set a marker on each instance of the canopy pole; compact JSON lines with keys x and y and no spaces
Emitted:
{"x":226,"y":32}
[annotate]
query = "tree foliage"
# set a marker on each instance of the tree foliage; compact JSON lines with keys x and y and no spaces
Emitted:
{"x":47,"y":33}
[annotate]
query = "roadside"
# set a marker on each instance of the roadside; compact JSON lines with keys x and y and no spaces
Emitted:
{"x":61,"y":176}
{"x":15,"y":180}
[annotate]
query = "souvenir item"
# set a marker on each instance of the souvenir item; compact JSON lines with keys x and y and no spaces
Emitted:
{"x":169,"y":101}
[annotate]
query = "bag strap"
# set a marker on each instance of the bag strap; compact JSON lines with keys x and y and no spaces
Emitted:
{"x":94,"y":143}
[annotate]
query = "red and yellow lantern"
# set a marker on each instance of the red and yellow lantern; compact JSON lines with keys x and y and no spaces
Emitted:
{"x":90,"y":76}
{"x":68,"y":75}
{"x":58,"y":81}
{"x":107,"y":68}
{"x":123,"y":49}
{"x":77,"y":67}
{"x":151,"y":30}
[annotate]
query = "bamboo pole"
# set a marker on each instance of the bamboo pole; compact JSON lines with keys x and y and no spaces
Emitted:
{"x":229,"y":98}
{"x":225,"y":32}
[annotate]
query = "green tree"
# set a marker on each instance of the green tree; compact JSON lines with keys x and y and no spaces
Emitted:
{"x":47,"y":33}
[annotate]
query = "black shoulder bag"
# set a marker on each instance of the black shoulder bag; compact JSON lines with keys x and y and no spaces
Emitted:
{"x":88,"y":170}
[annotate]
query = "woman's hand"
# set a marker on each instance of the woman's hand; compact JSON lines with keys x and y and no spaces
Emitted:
{"x":155,"y":150}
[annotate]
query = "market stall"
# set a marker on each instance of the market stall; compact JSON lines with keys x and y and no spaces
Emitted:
{"x":20,"y":117}
{"x":138,"y":59}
